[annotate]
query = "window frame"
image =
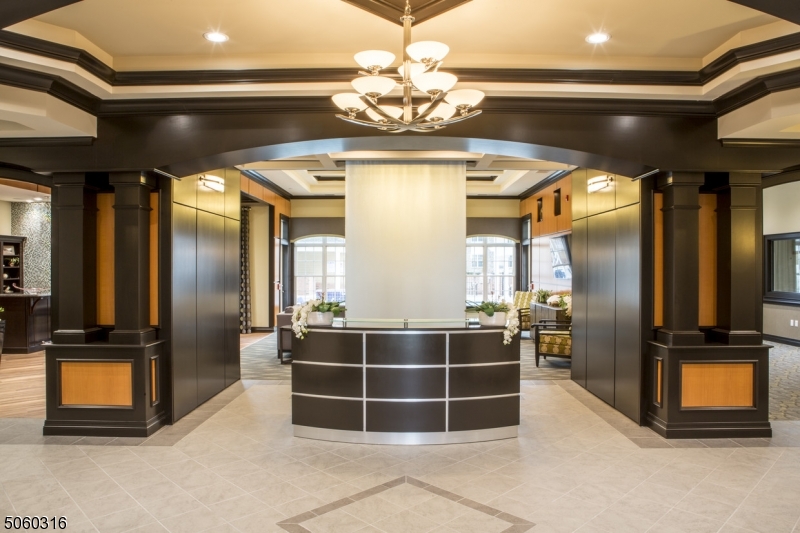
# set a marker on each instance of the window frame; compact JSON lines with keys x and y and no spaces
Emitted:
{"x":770,"y":296}
{"x":514,"y":245}
{"x":324,"y":245}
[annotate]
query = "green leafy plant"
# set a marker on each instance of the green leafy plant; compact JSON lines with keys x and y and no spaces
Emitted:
{"x":490,"y":308}
{"x":328,"y":307}
{"x":542,"y":295}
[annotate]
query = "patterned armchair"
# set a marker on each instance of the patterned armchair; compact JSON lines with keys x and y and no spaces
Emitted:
{"x":522,"y":301}
{"x":553,"y":338}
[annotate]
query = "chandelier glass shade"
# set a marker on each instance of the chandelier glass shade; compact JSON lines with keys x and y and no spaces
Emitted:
{"x":419,"y":72}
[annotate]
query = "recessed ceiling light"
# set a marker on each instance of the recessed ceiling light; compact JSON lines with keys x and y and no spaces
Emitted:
{"x":215,"y":37}
{"x":598,"y":38}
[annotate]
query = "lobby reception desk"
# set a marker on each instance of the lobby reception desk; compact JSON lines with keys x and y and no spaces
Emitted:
{"x":405,"y":386}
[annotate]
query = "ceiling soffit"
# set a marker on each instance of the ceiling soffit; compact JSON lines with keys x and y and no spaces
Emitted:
{"x":12,"y":12}
{"x":392,"y":10}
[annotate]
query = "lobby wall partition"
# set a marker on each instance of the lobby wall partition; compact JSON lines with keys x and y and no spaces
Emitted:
{"x":707,"y":372}
{"x":204,"y":282}
{"x":608,"y":254}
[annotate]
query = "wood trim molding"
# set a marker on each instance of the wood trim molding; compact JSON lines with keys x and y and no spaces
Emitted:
{"x":718,"y":385}
{"x":392,"y":10}
{"x":105,"y":260}
{"x":790,"y":176}
{"x":12,"y":12}
{"x":88,"y":62}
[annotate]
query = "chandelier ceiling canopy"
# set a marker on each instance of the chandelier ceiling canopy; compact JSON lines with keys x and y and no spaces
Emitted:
{"x":420,"y":72}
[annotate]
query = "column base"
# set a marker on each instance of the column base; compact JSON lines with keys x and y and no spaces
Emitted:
{"x":132,"y":336}
{"x":77,"y":336}
{"x":709,"y":430}
{"x":680,"y":338}
{"x":99,"y":428}
{"x":737,"y":338}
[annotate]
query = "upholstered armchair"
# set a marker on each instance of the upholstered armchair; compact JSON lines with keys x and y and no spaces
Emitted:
{"x":553,"y":338}
{"x":522,"y":301}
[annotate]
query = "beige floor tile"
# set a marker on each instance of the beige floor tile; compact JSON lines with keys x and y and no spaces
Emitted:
{"x":372,"y":509}
{"x":123,"y":520}
{"x":198,"y":520}
{"x":162,"y":508}
{"x":476,"y":522}
{"x":406,"y":496}
{"x":334,"y":522}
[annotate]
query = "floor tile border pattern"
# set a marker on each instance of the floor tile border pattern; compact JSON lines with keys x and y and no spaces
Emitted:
{"x":516,"y":524}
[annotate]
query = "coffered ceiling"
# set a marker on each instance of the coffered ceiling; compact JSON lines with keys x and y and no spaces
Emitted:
{"x":324,"y":174}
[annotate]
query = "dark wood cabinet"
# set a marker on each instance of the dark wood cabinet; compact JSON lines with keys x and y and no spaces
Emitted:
{"x":27,"y":319}
{"x":541,"y":312}
{"x":12,"y":265}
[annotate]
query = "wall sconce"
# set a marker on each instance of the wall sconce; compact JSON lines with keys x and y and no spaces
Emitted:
{"x":598,"y":183}
{"x":214,"y":183}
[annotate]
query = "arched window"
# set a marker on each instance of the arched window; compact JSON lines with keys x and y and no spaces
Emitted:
{"x":490,"y":269}
{"x":319,"y":269}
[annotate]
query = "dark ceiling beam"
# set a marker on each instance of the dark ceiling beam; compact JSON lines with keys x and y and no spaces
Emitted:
{"x":14,"y":11}
{"x":421,"y":10}
{"x":783,"y":9}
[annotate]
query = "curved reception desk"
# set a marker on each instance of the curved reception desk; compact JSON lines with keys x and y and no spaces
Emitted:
{"x":405,"y":386}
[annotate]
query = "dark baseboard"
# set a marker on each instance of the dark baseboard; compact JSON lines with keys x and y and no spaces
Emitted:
{"x":96,"y":428}
{"x":711,"y":430}
{"x":782,"y":340}
{"x":262,"y":330}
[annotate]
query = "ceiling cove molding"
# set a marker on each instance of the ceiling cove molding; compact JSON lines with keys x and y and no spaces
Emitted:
{"x":392,"y":10}
{"x":91,"y":64}
{"x":784,"y":9}
{"x":545,"y":183}
{"x":13,"y":11}
{"x":22,"y":174}
{"x":787,"y":176}
{"x":756,"y":89}
{"x":82,"y":99}
{"x":31,"y":142}
{"x":261,"y":180}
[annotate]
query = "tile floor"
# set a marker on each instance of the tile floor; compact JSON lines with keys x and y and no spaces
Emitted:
{"x":574,"y":467}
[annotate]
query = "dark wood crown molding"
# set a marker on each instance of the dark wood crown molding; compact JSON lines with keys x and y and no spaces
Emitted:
{"x":756,"y":89}
{"x":258,"y":178}
{"x":421,"y":10}
{"x":105,"y":73}
{"x":13,"y":11}
{"x":784,"y":9}
{"x":29,"y":142}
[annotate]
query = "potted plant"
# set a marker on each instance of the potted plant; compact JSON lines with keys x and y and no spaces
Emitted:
{"x":541,"y":296}
{"x":323,"y":312}
{"x":490,"y":313}
{"x":314,"y":313}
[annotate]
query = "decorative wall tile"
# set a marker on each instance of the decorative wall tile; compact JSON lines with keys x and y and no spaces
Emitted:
{"x":33,"y":220}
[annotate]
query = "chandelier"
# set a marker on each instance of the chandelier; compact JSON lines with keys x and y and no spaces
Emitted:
{"x":420,"y":71}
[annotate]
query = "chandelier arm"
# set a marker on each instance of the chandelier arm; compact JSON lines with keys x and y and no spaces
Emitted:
{"x":375,"y":107}
{"x":363,"y":122}
{"x":460,"y":118}
{"x":431,"y":108}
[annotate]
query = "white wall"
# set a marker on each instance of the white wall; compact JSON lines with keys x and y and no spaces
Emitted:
{"x":781,"y":212}
{"x":781,"y":215}
{"x":318,"y":208}
{"x":261,"y":242}
{"x":405,"y":227}
{"x":5,"y":218}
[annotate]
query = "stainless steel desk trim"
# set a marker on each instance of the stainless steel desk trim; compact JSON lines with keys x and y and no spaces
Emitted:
{"x":372,"y":437}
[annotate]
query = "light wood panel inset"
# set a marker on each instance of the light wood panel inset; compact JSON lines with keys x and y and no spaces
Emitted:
{"x":658,"y":260}
{"x":96,"y":383}
{"x":707,"y":310}
{"x":549,"y":223}
{"x":717,"y":385}
{"x":154,"y":294}
{"x":105,"y":259}
{"x":564,"y":220}
{"x":659,"y":379}
{"x":153,"y":380}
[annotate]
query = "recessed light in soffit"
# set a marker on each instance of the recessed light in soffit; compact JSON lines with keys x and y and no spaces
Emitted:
{"x":392,"y":10}
{"x":215,"y":37}
{"x":598,"y":38}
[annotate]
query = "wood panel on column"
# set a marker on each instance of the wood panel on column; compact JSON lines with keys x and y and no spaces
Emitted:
{"x":131,"y":258}
{"x":74,"y":259}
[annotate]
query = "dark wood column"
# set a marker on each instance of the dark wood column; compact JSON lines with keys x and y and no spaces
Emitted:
{"x":131,"y":258}
{"x":681,"y":258}
{"x":74,"y":257}
{"x":739,"y":270}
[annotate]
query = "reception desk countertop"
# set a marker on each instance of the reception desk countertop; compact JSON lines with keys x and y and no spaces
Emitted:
{"x":405,"y":386}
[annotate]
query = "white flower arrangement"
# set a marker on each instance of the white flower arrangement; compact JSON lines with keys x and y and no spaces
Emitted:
{"x":568,"y":305}
{"x":554,"y":300}
{"x":300,"y":318}
{"x":512,"y":325}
